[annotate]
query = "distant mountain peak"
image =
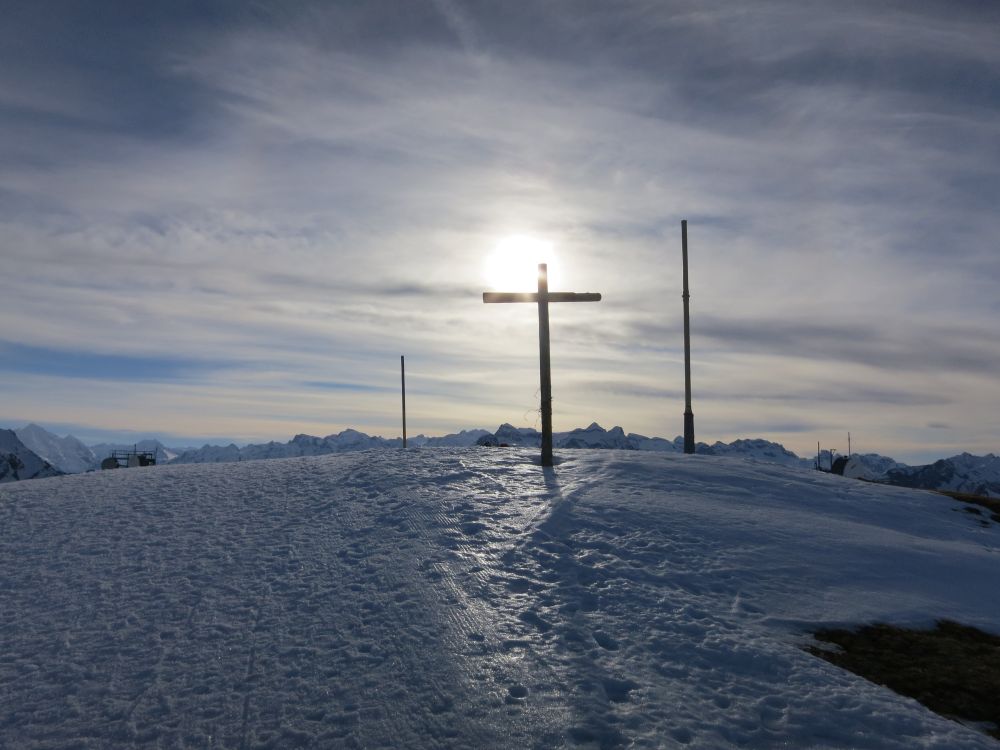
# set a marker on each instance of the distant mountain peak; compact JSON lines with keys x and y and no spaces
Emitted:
{"x":975,"y":475}
{"x":67,"y":454}
{"x":19,"y":462}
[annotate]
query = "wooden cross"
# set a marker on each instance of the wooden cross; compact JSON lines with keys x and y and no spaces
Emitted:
{"x":543,"y":297}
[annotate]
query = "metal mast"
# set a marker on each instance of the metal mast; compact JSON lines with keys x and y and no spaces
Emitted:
{"x":402,"y":383}
{"x":688,"y":414}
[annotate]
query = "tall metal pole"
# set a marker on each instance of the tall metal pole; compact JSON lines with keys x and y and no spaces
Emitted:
{"x":545,"y":363}
{"x":688,"y":414}
{"x":402,"y":380}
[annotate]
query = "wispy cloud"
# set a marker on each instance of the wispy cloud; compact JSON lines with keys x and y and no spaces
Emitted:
{"x":76,"y":363}
{"x":304,"y":194}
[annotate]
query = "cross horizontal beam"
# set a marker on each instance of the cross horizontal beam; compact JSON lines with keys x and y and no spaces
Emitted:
{"x":533,"y":297}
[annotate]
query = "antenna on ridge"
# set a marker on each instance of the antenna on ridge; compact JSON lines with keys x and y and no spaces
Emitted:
{"x":402,"y":381}
{"x":688,"y":414}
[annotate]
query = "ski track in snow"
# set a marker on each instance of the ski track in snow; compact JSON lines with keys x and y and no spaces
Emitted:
{"x":468,"y":598}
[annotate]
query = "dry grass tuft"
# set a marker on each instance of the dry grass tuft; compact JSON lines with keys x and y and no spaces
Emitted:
{"x":953,"y":669}
{"x":991,"y":504}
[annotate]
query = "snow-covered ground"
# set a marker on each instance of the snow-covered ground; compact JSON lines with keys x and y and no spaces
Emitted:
{"x":467,"y":598}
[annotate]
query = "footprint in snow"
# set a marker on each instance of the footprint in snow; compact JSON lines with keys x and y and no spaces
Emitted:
{"x":605,"y":641}
{"x":532,"y":618}
{"x":512,"y":644}
{"x":519,"y":585}
{"x":473,"y":527}
{"x":618,"y":690}
{"x":516,"y":694}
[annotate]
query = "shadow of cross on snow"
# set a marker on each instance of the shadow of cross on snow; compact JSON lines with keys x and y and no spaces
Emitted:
{"x":547,"y":556}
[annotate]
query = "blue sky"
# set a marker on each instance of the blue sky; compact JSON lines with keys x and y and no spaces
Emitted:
{"x":230,"y":219}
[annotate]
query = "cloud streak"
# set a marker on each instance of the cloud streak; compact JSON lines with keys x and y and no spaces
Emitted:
{"x":305,"y":194}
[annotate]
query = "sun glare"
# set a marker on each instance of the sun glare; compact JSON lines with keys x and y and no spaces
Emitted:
{"x":513,"y":264}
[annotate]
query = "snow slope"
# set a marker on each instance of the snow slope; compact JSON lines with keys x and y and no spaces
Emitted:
{"x":467,"y":598}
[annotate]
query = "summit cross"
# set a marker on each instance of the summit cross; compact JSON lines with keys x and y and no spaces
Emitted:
{"x":543,"y":297}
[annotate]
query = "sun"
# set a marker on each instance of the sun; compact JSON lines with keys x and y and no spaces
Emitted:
{"x":513,"y":264}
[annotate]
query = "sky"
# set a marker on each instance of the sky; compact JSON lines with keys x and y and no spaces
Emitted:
{"x":228,"y":220}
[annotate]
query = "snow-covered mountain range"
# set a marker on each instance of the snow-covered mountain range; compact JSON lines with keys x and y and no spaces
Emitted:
{"x":67,"y":453}
{"x":976,"y":475}
{"x":308,"y":445}
{"x":18,"y":462}
{"x":963,"y":473}
{"x":596,"y":436}
{"x":465,"y":598}
{"x":71,"y":456}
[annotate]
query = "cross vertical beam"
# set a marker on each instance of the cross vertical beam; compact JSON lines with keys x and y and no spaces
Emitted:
{"x":543,"y":297}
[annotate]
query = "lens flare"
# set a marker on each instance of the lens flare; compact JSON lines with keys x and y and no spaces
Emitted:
{"x":513,"y":264}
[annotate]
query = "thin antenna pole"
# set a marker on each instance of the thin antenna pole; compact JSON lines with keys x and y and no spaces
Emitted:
{"x":402,"y":380}
{"x":849,"y":454}
{"x":688,"y":414}
{"x":545,"y":362}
